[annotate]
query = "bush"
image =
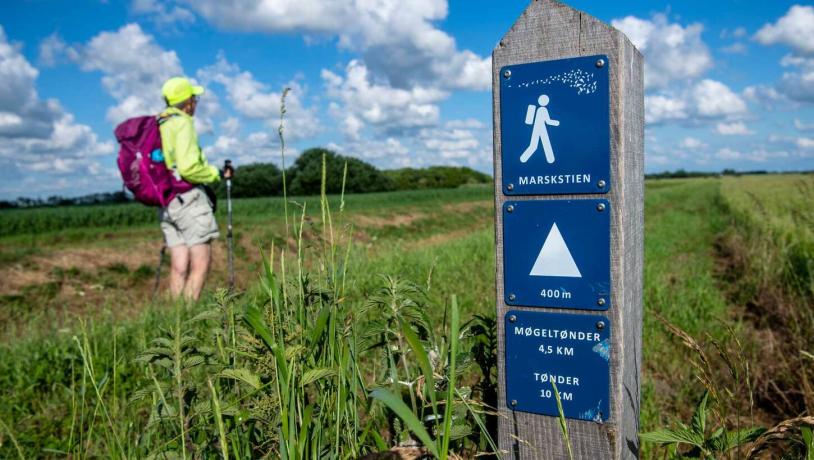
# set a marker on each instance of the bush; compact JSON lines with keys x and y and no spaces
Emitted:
{"x":305,"y":175}
{"x":253,"y":180}
{"x":435,"y":177}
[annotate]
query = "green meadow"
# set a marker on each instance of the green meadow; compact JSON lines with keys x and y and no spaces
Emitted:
{"x":364,"y":324}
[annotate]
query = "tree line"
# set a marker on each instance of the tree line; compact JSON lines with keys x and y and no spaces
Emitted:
{"x":303,"y":177}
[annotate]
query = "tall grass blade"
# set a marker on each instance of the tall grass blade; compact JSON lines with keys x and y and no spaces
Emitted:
{"x":407,"y":416}
{"x":453,"y":354}
{"x":563,"y":425}
{"x":219,"y":420}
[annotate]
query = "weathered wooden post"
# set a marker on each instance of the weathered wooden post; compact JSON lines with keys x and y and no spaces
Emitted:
{"x":569,"y":186}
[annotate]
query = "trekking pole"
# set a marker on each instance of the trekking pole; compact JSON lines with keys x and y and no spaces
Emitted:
{"x":227,"y":166}
{"x":158,"y":270}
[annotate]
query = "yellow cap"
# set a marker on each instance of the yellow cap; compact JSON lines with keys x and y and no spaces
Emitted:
{"x":179,"y":89}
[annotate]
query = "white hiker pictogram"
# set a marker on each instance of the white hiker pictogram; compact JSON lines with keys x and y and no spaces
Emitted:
{"x":555,"y":259}
{"x":539,"y":117}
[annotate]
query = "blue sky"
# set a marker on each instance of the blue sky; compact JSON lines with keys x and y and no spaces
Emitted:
{"x":729,"y":84}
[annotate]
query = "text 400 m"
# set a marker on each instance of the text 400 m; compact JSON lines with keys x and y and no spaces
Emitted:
{"x":555,"y":294}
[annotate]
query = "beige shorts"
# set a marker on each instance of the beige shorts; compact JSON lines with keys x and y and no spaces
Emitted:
{"x":189,"y":220}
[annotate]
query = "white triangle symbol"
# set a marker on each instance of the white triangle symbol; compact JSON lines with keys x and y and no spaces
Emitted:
{"x":555,"y":258}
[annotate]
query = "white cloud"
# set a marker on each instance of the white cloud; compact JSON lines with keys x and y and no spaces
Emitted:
{"x":795,"y":29}
{"x":737,"y":128}
{"x":738,"y":32}
{"x":51,"y":49}
{"x":360,"y":102}
{"x":398,"y":40}
{"x":758,"y":155}
{"x":469,"y":123}
{"x":805,"y":142}
{"x":36,"y":135}
{"x":692,"y":143}
{"x":255,"y":100}
{"x":134,"y":67}
{"x":803,"y":126}
{"x":259,"y":146}
{"x":660,"y":108}
{"x":798,"y":84}
{"x":672,"y":52}
{"x":705,"y":100}
{"x":727,"y":153}
{"x":455,"y":143}
{"x":768,"y":96}
{"x":162,"y":14}
{"x":735,"y":48}
{"x":714,"y":99}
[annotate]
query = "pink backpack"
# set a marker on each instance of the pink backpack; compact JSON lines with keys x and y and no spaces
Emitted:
{"x":151,"y":182}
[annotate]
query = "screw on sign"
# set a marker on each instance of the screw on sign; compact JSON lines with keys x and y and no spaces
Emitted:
{"x":569,"y":184}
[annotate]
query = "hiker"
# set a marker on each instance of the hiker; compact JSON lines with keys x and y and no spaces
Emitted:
{"x":188,"y":221}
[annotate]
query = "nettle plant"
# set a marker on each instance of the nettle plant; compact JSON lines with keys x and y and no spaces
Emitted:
{"x":301,"y":367}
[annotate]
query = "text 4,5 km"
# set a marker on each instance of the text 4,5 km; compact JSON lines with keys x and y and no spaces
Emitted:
{"x":555,"y":294}
{"x":552,"y":350}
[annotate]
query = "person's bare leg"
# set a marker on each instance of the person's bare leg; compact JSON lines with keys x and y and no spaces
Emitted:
{"x":199,"y":258}
{"x":179,"y":269}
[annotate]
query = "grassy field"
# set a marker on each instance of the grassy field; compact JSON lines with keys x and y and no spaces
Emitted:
{"x":339,"y":304}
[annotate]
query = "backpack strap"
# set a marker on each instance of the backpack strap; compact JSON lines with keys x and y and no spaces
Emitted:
{"x":162,"y":118}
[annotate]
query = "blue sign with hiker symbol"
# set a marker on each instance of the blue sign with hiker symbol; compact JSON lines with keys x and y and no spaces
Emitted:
{"x":555,"y":126}
{"x":571,"y":352}
{"x":556,"y":253}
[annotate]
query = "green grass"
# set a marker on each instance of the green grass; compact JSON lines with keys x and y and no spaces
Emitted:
{"x":113,"y":218}
{"x":51,"y":406}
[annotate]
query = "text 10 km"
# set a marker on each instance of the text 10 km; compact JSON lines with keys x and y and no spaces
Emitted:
{"x":555,"y":294}
{"x":564,"y":395}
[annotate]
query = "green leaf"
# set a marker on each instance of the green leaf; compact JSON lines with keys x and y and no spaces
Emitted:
{"x":735,"y":439}
{"x":306,"y":423}
{"x":193,"y":361}
{"x":699,"y":418}
{"x":667,"y":436}
{"x":294,"y":351}
{"x":319,"y":326}
{"x":204,"y":316}
{"x":423,"y":361}
{"x":254,"y":318}
{"x":154,"y":353}
{"x":455,"y":323}
{"x":405,"y":414}
{"x":808,"y":441}
{"x":459,"y":431}
{"x":244,"y":375}
{"x":312,"y":375}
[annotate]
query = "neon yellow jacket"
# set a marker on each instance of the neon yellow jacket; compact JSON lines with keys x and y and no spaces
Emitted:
{"x":179,"y":144}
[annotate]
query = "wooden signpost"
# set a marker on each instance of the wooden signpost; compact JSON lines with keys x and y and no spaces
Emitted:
{"x":569,"y":198}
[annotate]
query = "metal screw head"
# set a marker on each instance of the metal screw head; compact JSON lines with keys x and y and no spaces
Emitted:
{"x":512,"y":296}
{"x":510,"y":187}
{"x":600,"y":184}
{"x":507,"y":73}
{"x":514,"y":402}
{"x":600,"y":301}
{"x":600,"y":63}
{"x":509,"y":208}
{"x":512,"y":318}
{"x":600,"y":325}
{"x":600,"y":207}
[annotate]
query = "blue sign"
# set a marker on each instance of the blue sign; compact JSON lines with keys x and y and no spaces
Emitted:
{"x":573,"y":351}
{"x":555,"y":126}
{"x":556,"y":253}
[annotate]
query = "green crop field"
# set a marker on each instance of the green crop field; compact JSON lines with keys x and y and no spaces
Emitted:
{"x":367,"y":321}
